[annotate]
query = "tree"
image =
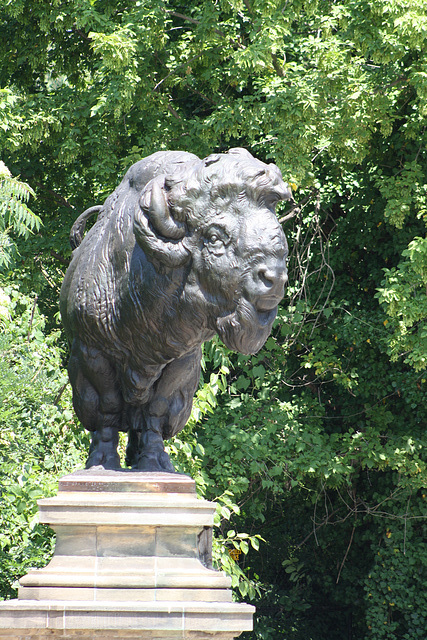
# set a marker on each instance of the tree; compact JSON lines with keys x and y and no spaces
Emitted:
{"x":315,"y":444}
{"x":15,"y":216}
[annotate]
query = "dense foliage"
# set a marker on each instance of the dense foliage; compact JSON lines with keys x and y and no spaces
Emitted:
{"x":39,"y":440}
{"x":313,"y":447}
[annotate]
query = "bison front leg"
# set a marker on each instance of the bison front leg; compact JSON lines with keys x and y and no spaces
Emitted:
{"x":149,"y":453}
{"x":165,"y":414}
{"x":98,"y":403}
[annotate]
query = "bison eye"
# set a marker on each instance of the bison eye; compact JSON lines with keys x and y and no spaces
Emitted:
{"x":216,"y":237}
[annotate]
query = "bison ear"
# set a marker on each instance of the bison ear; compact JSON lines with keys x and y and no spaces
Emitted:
{"x":154,"y":203}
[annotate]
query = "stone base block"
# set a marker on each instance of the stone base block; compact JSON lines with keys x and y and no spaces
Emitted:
{"x":45,"y":634}
{"x":124,"y":595}
{"x":132,"y":560}
{"x":168,"y":620}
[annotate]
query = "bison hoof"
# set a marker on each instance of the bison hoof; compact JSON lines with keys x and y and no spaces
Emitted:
{"x":155,"y":462}
{"x":99,"y":459}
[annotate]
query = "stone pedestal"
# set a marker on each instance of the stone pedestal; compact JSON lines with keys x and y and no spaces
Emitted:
{"x":132,"y":560}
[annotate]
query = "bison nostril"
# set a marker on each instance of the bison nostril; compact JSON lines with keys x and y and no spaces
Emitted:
{"x":271,"y":278}
{"x":266,"y":276}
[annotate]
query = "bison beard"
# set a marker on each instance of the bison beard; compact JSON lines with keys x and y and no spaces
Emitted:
{"x":246,"y":329}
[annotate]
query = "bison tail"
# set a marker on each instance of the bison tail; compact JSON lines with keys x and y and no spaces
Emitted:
{"x":77,"y":230}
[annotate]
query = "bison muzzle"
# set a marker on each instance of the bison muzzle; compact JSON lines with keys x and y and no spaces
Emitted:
{"x":183,"y":248}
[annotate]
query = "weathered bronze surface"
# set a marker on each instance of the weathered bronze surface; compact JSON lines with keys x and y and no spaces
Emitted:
{"x":183,"y":248}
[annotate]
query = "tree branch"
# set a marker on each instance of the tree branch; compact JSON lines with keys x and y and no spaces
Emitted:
{"x":30,"y":326}
{"x":171,"y":73}
{"x":248,"y":6}
{"x":184,"y":17}
{"x":81,"y":33}
{"x":278,"y":69}
{"x":55,"y":195}
{"x":60,"y":258}
{"x":296,"y":207}
{"x":198,"y":22}
{"x":61,"y":391}
{"x":346,"y":554}
{"x":174,"y":113}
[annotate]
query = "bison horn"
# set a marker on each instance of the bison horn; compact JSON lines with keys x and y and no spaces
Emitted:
{"x":159,"y":214}
{"x":168,"y":253}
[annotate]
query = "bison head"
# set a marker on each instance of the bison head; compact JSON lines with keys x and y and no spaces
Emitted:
{"x":216,"y":219}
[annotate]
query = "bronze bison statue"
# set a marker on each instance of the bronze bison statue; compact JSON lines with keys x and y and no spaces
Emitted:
{"x":183,"y":248}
